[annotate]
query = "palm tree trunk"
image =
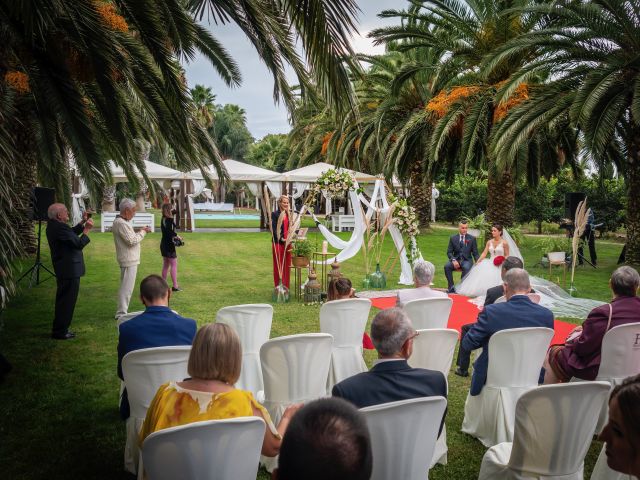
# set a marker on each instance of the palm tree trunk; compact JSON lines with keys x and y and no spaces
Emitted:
{"x":420,"y":197}
{"x":633,"y":200}
{"x":24,"y":180}
{"x":501,"y":197}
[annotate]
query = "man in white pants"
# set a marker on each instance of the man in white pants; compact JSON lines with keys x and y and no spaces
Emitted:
{"x":127,"y":252}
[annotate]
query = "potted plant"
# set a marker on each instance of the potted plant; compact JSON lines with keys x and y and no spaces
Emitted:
{"x":301,"y":251}
{"x":553,"y":248}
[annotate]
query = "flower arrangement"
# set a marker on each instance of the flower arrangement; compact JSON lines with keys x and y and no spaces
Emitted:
{"x":334,"y":182}
{"x":499,"y":260}
{"x":406,"y":218}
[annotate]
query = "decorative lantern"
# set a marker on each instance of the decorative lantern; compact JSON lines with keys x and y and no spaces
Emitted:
{"x":334,"y":274}
{"x":312,"y":290}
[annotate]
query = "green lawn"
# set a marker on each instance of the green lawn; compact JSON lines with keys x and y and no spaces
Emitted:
{"x":59,"y":405}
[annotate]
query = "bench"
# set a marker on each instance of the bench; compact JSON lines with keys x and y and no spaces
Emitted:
{"x":139,"y":220}
{"x":343,"y":223}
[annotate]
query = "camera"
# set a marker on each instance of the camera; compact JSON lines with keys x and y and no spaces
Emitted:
{"x":89,"y":214}
{"x":178,"y":242}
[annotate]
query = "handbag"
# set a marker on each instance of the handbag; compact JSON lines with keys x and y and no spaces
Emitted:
{"x":177,"y":241}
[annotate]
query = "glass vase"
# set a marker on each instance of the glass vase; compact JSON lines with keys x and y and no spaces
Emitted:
{"x":280,"y":294}
{"x":366,"y":283}
{"x":378,"y":279}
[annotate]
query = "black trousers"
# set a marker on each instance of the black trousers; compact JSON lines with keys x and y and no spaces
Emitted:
{"x":588,"y":236}
{"x":464,"y":356}
{"x":66,"y":297}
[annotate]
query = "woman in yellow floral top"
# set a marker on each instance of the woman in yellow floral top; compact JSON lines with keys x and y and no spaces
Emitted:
{"x":214,"y":366}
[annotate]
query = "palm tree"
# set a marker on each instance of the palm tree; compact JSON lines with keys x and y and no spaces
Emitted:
{"x":590,"y":51}
{"x":204,"y":101}
{"x":87,"y":79}
{"x":467,"y":107}
{"x":230,"y":132}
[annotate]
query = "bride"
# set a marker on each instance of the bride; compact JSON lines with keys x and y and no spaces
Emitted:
{"x":486,"y":274}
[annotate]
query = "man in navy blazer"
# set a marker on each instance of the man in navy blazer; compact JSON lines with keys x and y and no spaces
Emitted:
{"x":391,"y":377}
{"x":517,"y":312}
{"x":462,"y":252}
{"x":157,"y":326}
{"x":66,"y":244}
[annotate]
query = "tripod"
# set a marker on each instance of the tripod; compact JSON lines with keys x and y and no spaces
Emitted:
{"x":35,"y":269}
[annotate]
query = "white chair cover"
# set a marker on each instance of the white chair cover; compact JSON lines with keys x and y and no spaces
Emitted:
{"x":433,"y":349}
{"x":553,"y":431}
{"x":515,"y":359}
{"x":601,"y":470}
{"x":429,"y":312}
{"x":213,"y":450}
{"x":294,"y":369}
{"x":144,"y":371}
{"x":620,"y":359}
{"x":346,"y":321}
{"x":403,"y":437}
{"x":252,"y":323}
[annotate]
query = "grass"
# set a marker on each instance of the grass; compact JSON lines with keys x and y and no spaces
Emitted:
{"x":60,"y":416}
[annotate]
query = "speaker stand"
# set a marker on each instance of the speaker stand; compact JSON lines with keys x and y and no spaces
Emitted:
{"x":35,"y":269}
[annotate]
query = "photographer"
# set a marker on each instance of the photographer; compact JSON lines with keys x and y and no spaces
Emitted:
{"x":170,"y":240}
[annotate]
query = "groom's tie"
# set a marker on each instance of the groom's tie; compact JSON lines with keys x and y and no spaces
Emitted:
{"x":461,"y":241}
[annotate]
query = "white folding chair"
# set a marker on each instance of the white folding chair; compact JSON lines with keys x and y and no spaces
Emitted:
{"x":620,"y":358}
{"x":554,"y":425}
{"x":212,"y":450}
{"x":403,"y":436}
{"x":601,"y":470}
{"x":294,"y":369}
{"x":346,"y":321}
{"x":144,"y":371}
{"x":429,"y":312}
{"x":252,"y":323}
{"x":515,"y":359}
{"x":433,"y":349}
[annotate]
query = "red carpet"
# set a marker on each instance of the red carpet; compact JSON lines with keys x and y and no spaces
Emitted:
{"x":464,"y":312}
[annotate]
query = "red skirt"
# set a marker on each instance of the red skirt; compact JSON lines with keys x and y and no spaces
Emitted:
{"x":278,"y":254}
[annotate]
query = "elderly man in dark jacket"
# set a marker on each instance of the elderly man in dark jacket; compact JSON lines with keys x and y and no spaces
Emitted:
{"x":66,"y":244}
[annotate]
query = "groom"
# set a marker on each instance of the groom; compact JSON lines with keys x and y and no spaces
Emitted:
{"x":462,"y":253}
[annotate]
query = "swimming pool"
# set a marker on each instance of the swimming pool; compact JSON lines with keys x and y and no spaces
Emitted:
{"x":222,"y":216}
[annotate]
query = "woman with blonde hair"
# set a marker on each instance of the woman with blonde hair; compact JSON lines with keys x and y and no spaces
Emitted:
{"x":209,"y":394}
{"x":280,"y":250}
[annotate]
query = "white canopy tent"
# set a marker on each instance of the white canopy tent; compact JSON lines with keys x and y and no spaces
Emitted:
{"x":155,"y":171}
{"x":240,"y":172}
{"x":311,"y":173}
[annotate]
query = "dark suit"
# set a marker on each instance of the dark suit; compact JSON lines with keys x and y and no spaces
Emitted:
{"x":157,"y":326}
{"x":518,"y":312}
{"x":390,"y":382}
{"x":66,"y":246}
{"x":465,"y":252}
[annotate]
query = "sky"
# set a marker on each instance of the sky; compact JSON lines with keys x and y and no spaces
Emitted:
{"x":255,"y":95}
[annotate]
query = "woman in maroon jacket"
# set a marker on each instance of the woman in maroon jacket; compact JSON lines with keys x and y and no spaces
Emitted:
{"x":580,"y":356}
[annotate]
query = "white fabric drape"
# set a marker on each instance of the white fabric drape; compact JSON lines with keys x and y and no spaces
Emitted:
{"x":275,"y":188}
{"x":254,"y":188}
{"x":351,"y":247}
{"x":191,"y":211}
{"x":298,"y":189}
{"x":435,"y":193}
{"x":198,"y":187}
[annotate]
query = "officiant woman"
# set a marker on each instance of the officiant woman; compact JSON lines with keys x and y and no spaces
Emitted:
{"x":280,"y":250}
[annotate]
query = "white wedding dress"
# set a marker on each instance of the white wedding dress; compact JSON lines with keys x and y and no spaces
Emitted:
{"x":483,"y":275}
{"x":486,"y":275}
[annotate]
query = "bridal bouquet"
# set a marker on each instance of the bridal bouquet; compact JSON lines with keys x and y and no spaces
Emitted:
{"x":334,"y":182}
{"x":497,"y":261}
